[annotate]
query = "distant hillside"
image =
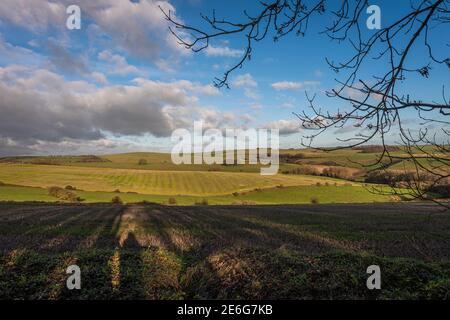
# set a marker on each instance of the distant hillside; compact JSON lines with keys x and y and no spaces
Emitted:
{"x":54,"y":160}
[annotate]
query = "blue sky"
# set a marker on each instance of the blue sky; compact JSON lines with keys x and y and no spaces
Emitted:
{"x":122,"y":83}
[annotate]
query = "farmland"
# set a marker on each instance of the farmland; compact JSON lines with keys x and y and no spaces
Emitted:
{"x":162,"y":161}
{"x":140,"y":227}
{"x":136,"y":177}
{"x":287,"y":195}
{"x":225,"y":252}
{"x":148,"y":181}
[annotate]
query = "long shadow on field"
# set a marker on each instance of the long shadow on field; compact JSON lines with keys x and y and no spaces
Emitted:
{"x":236,"y":247}
{"x":131,"y":269}
{"x":39,"y":242}
{"x":163,"y":252}
{"x":222,"y":251}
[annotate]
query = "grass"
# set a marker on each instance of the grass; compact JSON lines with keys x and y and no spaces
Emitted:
{"x":18,"y":193}
{"x":267,"y":252}
{"x":426,"y":163}
{"x":154,"y":161}
{"x":147,"y":181}
{"x":162,"y":161}
{"x":286,"y":195}
{"x":324,"y":194}
{"x":219,"y":248}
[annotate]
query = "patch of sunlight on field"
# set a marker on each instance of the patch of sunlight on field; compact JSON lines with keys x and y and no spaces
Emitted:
{"x":148,"y":181}
{"x":16,"y":193}
{"x":289,"y":195}
{"x":421,"y":163}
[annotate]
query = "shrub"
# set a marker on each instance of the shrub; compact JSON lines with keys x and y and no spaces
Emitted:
{"x":338,"y":172}
{"x":305,"y":170}
{"x":244,"y":203}
{"x":142,"y":162}
{"x":332,"y":171}
{"x":329,"y":163}
{"x":2,"y":183}
{"x":117,"y":191}
{"x":116,"y":200}
{"x":63,"y":194}
{"x":203,"y":202}
{"x":443,"y":190}
{"x":88,"y":159}
{"x":291,"y":158}
{"x":381,"y":177}
{"x":146,"y":202}
{"x":398,"y":179}
{"x":314,"y":200}
{"x":172,"y":200}
{"x":377,"y":149}
{"x":235,"y":194}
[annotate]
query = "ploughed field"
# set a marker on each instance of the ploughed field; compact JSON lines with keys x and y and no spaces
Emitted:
{"x":224,"y":252}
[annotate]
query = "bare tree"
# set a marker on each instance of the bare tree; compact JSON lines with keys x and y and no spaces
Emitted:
{"x":374,"y":108}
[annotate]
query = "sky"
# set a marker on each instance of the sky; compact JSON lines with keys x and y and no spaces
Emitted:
{"x":122,"y":83}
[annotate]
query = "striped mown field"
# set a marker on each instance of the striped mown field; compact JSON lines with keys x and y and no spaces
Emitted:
{"x":148,"y":181}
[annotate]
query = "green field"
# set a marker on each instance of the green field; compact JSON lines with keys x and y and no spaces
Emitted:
{"x":146,"y":181}
{"x":141,"y":176}
{"x":154,"y":161}
{"x":287,"y":195}
{"x":162,"y":161}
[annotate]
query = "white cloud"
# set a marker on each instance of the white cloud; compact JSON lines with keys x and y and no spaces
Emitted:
{"x":39,"y":106}
{"x":62,"y":59}
{"x":286,"y":127}
{"x":294,"y":86}
{"x":246,"y":118}
{"x":206,"y":90}
{"x":12,"y":54}
{"x":222,"y":52}
{"x":120,"y":64}
{"x":244,"y":81}
{"x":138,"y":27}
{"x":252,"y":94}
{"x":256,"y":106}
{"x":165,"y":65}
{"x":358,"y":93}
{"x":99,"y":77}
{"x":35,"y":16}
